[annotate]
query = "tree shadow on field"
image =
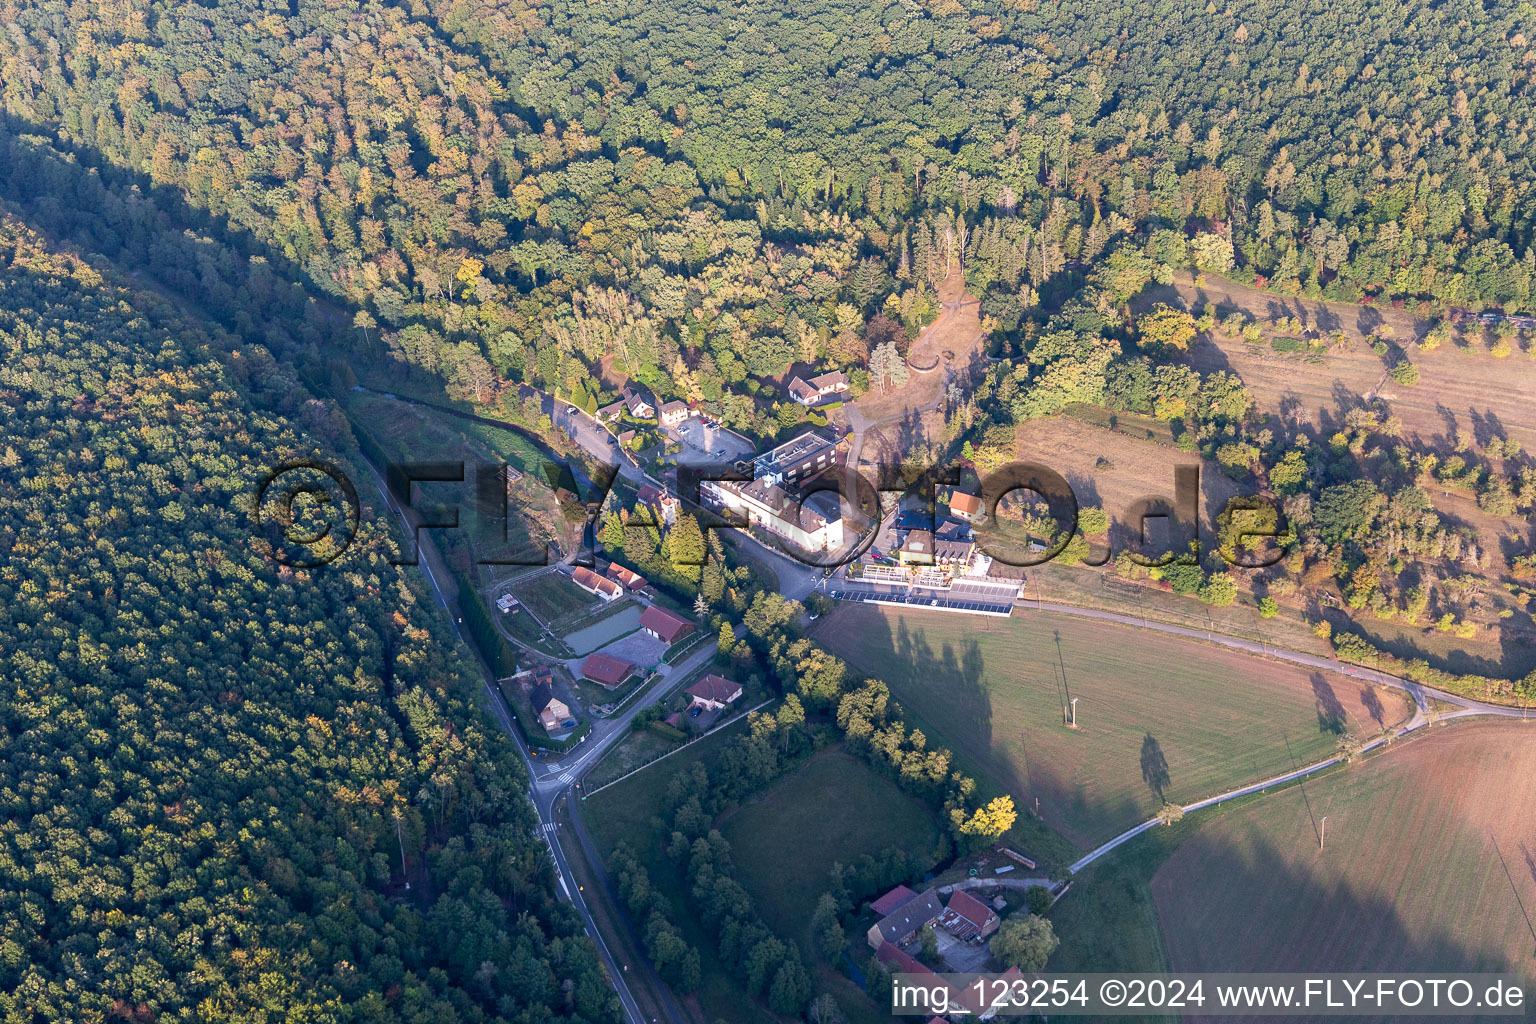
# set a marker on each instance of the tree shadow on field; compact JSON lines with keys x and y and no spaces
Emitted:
{"x":1331,"y":716}
{"x":967,"y":702}
{"x":1372,"y":701}
{"x":1154,"y":767}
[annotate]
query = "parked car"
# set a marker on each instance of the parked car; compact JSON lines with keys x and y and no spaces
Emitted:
{"x":570,"y":410}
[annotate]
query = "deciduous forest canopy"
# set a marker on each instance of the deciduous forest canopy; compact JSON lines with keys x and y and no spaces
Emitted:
{"x":204,"y":758}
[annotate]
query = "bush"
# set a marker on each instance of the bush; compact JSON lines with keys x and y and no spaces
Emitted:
{"x":1404,"y":373}
{"x":1268,"y":609}
{"x":1220,"y":590}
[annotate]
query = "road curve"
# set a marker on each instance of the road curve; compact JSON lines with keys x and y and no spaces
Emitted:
{"x":1419,"y":694}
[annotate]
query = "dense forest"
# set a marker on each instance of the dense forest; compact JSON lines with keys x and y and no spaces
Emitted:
{"x":207,"y":758}
{"x":704,"y":199}
{"x":213,"y":765}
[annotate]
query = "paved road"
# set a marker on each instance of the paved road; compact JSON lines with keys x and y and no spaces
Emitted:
{"x":550,"y":783}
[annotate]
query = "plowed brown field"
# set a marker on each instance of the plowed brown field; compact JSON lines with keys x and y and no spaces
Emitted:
{"x":1429,"y":864}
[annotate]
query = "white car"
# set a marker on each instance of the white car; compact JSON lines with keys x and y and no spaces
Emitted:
{"x":570,"y":410}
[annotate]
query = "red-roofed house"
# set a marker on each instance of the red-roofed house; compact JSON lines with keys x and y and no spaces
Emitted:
{"x":890,"y":901}
{"x":964,"y":506}
{"x":832,"y":385}
{"x":665,"y":626}
{"x":968,"y":918}
{"x":606,"y":670}
{"x":592,"y":583}
{"x":714,"y":691}
{"x":628,"y":577}
{"x":900,"y":963}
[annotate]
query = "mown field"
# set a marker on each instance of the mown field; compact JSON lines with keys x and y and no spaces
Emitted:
{"x":784,"y":842}
{"x":1157,"y":716}
{"x":832,"y":809}
{"x":1429,"y":864}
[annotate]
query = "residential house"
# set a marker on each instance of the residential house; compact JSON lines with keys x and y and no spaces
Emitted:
{"x":829,"y":386}
{"x":662,"y":504}
{"x":964,"y":506}
{"x":673,"y":413}
{"x":665,"y":626}
{"x":902,"y":924}
{"x":606,"y":670}
{"x":714,"y":692}
{"x":625,"y":438}
{"x":956,"y":554}
{"x":967,"y":918}
{"x":506,"y":602}
{"x":553,"y":713}
{"x":916,"y":548}
{"x":627,"y":578}
{"x":592,"y":583}
{"x":951,"y":529}
{"x":897,"y":897}
{"x":609,"y":413}
{"x":639,"y":407}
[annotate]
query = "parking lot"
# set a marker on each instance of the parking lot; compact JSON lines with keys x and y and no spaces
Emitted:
{"x":707,"y":444}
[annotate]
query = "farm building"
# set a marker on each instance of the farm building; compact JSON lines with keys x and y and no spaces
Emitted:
{"x":903,"y":923}
{"x":968,"y":918}
{"x":606,"y":670}
{"x":897,"y":897}
{"x":665,"y":626}
{"x":592,"y":583}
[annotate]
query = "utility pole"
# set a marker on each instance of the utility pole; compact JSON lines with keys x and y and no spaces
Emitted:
{"x":1322,"y":837}
{"x":1074,"y":712}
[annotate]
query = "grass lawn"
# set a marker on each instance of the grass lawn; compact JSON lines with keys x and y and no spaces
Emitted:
{"x":555,"y":600}
{"x":1154,"y":712}
{"x":831,"y":809}
{"x":636,"y":749}
{"x":591,"y":694}
{"x":413,"y":432}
